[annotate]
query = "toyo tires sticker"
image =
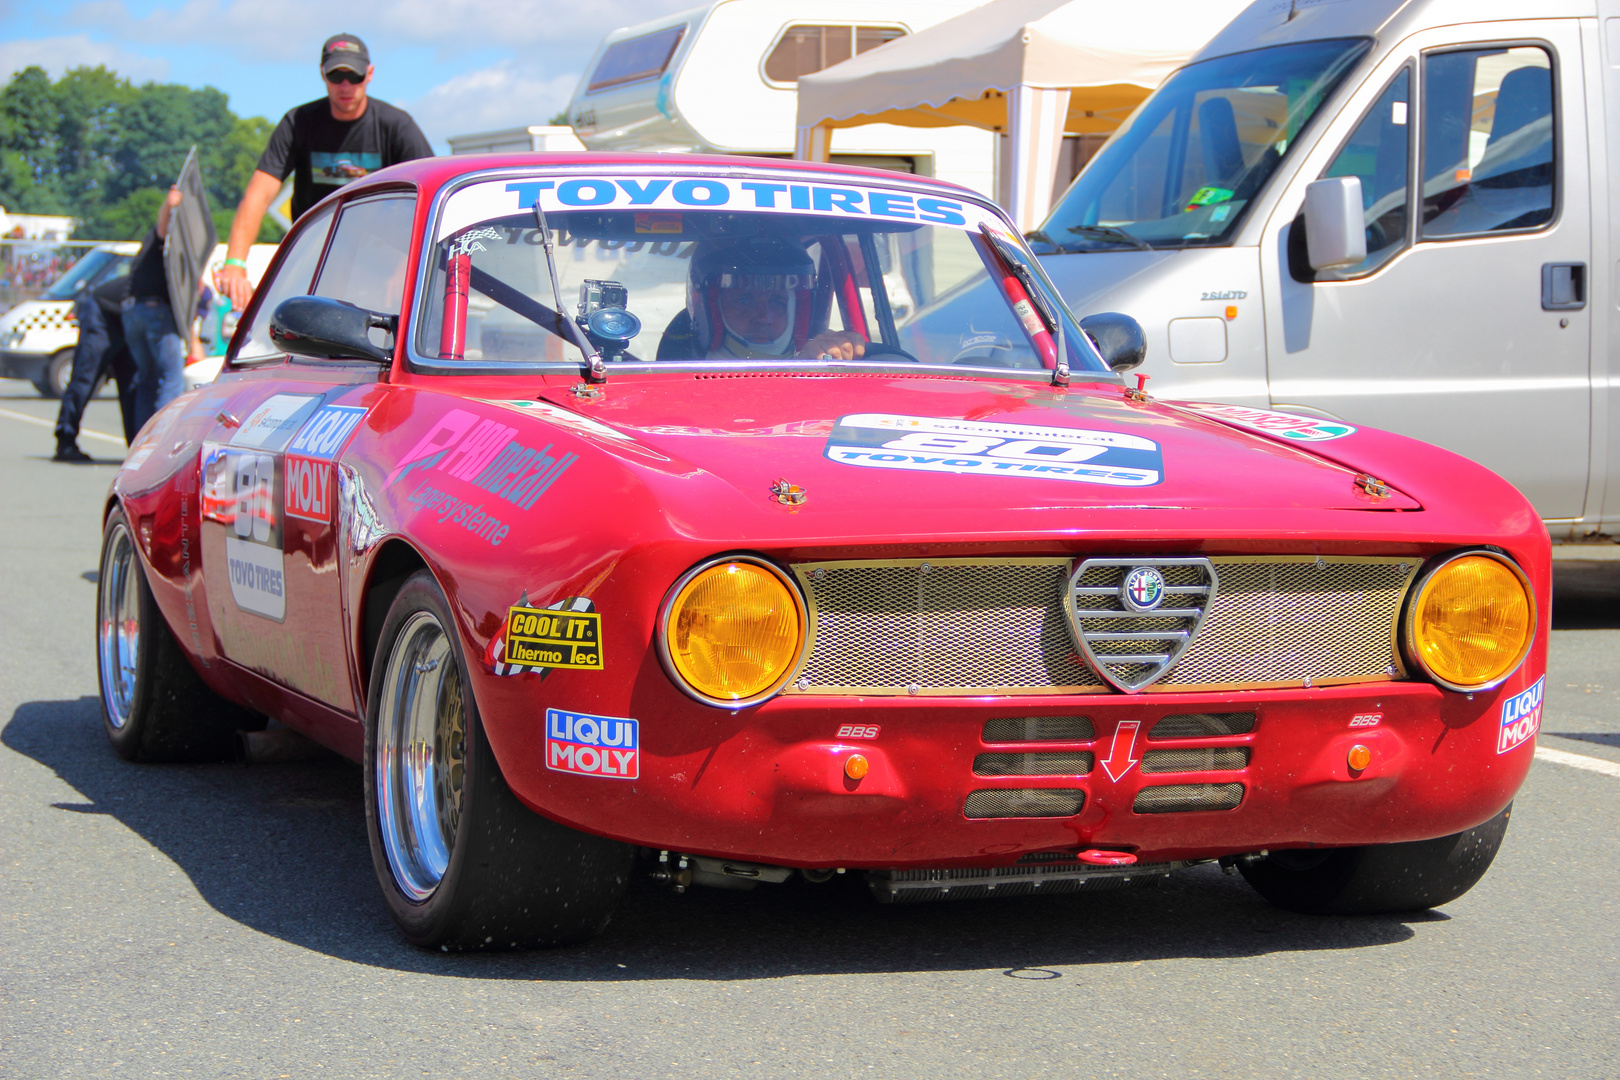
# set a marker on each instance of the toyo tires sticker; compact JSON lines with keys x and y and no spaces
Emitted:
{"x":1521,"y":717}
{"x":1282,"y":425}
{"x":943,"y":445}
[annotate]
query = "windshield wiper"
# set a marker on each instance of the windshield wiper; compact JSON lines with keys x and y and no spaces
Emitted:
{"x":1109,"y":232}
{"x":595,"y":370}
{"x":1041,"y":236}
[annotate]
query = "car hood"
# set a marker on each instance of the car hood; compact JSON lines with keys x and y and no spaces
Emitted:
{"x":900,"y":442}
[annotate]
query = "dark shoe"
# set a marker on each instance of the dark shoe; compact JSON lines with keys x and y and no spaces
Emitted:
{"x":71,"y":453}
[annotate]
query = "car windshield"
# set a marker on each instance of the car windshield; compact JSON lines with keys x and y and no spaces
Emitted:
{"x":680,"y":267}
{"x":98,"y":265}
{"x":1187,"y":165}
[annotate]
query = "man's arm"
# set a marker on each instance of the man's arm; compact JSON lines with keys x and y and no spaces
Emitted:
{"x":233,"y":279}
{"x":166,"y":209}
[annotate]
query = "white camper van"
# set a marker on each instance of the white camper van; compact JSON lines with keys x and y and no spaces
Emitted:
{"x":1395,"y":213}
{"x":722,"y":79}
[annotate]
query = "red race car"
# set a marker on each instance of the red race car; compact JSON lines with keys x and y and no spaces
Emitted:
{"x":741,"y":519}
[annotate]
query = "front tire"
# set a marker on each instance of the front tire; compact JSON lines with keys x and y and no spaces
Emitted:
{"x":1380,"y":879}
{"x":154,"y":706}
{"x":53,"y":381}
{"x":462,"y":863}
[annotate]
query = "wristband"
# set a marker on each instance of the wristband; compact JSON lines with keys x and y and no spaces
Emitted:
{"x":237,"y":262}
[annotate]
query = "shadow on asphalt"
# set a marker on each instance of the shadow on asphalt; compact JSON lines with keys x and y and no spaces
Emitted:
{"x":282,"y":850}
{"x":1586,"y":595}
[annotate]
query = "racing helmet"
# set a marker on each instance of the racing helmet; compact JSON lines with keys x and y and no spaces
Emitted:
{"x":767,"y":264}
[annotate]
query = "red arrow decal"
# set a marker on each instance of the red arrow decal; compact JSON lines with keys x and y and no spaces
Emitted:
{"x":1122,"y":752}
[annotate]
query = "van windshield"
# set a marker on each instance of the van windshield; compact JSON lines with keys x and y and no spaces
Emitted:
{"x":86,"y":272}
{"x":1184,"y":168}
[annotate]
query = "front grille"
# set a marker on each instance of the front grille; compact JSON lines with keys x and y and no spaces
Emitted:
{"x":998,"y":626}
{"x":1133,"y":648}
{"x":1025,"y":803}
{"x":1038,"y":729}
{"x":1076,"y":764}
{"x":1196,"y":759}
{"x":1186,"y":798}
{"x":1202,"y":725}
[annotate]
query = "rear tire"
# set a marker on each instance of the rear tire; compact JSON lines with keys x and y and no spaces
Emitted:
{"x":462,"y":863}
{"x":1381,"y":879}
{"x":154,"y":706}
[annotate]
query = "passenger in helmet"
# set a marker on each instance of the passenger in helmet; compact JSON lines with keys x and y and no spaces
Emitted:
{"x":754,"y":299}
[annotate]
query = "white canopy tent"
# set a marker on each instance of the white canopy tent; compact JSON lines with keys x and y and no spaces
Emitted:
{"x":1033,"y":69}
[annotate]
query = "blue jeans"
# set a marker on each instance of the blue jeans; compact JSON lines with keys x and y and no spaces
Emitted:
{"x":159,"y":354}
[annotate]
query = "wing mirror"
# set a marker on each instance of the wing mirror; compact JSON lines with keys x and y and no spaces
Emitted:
{"x":328,"y":329}
{"x":1335,"y":227}
{"x":1117,"y":338}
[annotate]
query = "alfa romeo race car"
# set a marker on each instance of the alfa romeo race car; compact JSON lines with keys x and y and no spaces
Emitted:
{"x":735,"y":519}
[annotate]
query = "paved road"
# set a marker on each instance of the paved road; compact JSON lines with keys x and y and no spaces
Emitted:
{"x":215,"y":921}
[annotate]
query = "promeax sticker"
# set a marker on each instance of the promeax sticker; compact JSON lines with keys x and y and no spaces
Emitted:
{"x":1521,"y":717}
{"x":642,"y":193}
{"x":593,"y":745}
{"x":935,"y":444}
{"x":537,"y":637}
{"x":1282,"y":425}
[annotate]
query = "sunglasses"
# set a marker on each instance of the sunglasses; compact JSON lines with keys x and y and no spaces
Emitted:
{"x":340,"y":75}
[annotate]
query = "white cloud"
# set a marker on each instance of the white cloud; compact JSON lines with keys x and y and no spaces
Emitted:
{"x":296,"y":27}
{"x":502,"y":95}
{"x":57,"y":54}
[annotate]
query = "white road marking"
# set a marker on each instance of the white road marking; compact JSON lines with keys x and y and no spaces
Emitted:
{"x":1578,"y":761}
{"x":25,"y":418}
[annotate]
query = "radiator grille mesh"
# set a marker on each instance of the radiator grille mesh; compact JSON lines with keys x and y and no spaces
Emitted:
{"x":1037,"y":764}
{"x":1186,"y":798}
{"x":977,"y":626}
{"x":1025,"y":802}
{"x":1196,"y":759}
{"x":1202,"y":725}
{"x":1038,"y":729}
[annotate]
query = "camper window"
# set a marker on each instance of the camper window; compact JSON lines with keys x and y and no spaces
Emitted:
{"x":803,"y":50}
{"x":635,"y":59}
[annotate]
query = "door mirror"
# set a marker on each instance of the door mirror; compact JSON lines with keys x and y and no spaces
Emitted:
{"x":328,"y":329}
{"x":1335,"y":228}
{"x":1117,"y":338}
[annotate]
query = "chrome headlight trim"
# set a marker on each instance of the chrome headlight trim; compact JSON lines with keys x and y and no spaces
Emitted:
{"x":666,"y":609}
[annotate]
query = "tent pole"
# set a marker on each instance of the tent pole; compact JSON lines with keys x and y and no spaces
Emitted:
{"x":1035,"y":120}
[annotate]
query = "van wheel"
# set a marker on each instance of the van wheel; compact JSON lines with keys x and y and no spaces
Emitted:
{"x":1383,"y":878}
{"x":58,"y":372}
{"x":462,"y":863}
{"x":154,"y":707}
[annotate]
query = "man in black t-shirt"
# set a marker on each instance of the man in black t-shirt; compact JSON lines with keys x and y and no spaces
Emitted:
{"x":323,"y":144}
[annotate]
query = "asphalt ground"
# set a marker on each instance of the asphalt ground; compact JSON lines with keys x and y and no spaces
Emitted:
{"x":221,"y":921}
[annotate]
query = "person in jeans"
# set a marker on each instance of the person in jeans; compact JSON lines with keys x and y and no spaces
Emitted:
{"x":154,"y":341}
{"x":101,"y":347}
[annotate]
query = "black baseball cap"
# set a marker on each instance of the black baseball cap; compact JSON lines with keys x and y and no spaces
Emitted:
{"x":344,"y":51}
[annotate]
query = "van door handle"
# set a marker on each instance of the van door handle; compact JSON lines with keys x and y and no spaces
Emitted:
{"x":1563,"y":286}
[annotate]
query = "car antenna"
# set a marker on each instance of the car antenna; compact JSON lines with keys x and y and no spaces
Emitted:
{"x":596,"y":371}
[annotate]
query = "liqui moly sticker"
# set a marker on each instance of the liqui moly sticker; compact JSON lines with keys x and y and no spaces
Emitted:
{"x":1282,"y":425}
{"x":589,"y":745}
{"x":1521,"y":717}
{"x":945,"y":445}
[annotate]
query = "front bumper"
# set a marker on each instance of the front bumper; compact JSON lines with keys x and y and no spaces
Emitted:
{"x":768,"y":784}
{"x":22,"y":365}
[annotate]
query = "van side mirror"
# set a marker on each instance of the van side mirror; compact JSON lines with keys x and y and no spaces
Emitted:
{"x":328,"y":329}
{"x":1335,"y":228}
{"x":1118,"y":339}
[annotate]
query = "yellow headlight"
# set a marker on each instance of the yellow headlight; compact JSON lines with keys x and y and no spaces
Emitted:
{"x":1472,"y":621}
{"x":734,"y":631}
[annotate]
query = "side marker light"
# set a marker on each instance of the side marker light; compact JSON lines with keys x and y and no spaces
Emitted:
{"x":1359,"y":757}
{"x":856,"y":766}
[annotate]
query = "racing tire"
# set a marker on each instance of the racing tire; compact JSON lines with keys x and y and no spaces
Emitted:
{"x":54,"y":377}
{"x":1381,"y":879}
{"x":462,"y":863}
{"x":154,"y":706}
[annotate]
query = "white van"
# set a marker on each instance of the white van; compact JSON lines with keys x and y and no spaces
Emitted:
{"x":1395,"y":213}
{"x":723,"y":79}
{"x":37,"y":337}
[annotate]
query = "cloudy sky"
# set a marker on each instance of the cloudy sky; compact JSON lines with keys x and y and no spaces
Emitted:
{"x":458,"y":65}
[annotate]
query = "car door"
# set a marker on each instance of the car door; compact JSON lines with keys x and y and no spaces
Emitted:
{"x":270,"y":467}
{"x":1459,"y":328}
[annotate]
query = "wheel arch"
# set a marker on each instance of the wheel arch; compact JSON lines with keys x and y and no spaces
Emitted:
{"x":396,"y":560}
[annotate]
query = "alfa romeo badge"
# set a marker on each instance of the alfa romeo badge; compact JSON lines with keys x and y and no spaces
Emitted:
{"x":1142,"y":589}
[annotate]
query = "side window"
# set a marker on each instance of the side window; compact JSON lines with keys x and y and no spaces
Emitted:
{"x":365,"y":265}
{"x":804,"y":50}
{"x":293,"y":278}
{"x":1379,"y":153}
{"x":1489,"y":158}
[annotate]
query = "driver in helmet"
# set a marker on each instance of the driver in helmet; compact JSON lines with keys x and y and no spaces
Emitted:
{"x":753,"y":299}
